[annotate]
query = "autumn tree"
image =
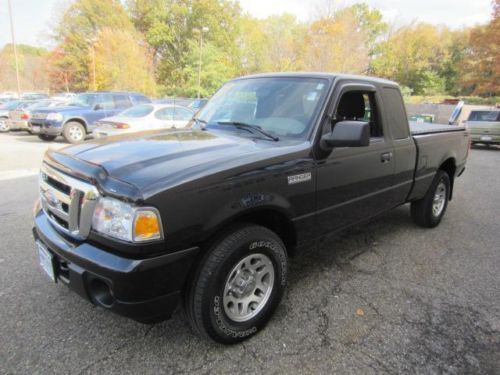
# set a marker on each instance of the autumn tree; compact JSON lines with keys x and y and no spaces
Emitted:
{"x":76,"y":35}
{"x":32,"y":72}
{"x":337,"y":44}
{"x":481,"y":71}
{"x":123,"y":62}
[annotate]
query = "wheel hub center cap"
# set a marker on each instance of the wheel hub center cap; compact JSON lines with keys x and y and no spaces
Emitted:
{"x":244,"y":284}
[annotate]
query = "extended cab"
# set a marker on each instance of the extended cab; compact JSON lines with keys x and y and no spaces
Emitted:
{"x":77,"y":119}
{"x":209,"y":215}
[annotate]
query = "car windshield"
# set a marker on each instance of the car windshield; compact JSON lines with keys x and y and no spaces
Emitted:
{"x":281,"y":106}
{"x":10,"y":105}
{"x":40,"y":104}
{"x":83,"y":100}
{"x":484,"y":116}
{"x":138,"y":111}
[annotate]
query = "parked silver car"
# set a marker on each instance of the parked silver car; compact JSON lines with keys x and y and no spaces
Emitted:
{"x":144,"y":117}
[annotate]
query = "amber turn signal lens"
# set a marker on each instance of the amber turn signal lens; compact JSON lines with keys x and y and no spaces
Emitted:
{"x":147,"y":226}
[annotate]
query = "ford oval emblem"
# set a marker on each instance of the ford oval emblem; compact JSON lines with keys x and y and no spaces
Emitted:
{"x":51,"y":198}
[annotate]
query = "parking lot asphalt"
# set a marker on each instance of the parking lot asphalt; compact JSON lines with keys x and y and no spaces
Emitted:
{"x":383,"y":297}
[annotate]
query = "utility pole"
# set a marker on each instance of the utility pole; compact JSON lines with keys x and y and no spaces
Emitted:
{"x":198,"y":31}
{"x":15,"y":49}
{"x":91,"y":42}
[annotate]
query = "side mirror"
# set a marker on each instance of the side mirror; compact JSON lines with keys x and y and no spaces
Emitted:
{"x":347,"y":134}
{"x":98,"y":107}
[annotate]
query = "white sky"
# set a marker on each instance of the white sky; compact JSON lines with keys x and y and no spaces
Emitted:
{"x":33,"y":18}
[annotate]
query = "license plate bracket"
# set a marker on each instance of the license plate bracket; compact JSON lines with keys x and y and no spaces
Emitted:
{"x":486,"y":138}
{"x":46,"y":260}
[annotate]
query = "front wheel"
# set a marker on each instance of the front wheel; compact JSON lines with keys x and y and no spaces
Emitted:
{"x":428,"y":211}
{"x":238,"y":285}
{"x":74,"y":132}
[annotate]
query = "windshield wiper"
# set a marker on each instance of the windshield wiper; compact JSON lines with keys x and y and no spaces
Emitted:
{"x":243,"y":125}
{"x":199,"y":120}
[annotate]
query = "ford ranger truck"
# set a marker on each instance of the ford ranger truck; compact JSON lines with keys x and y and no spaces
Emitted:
{"x":207,"y":217}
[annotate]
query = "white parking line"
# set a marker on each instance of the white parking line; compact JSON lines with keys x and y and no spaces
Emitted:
{"x":18,"y":173}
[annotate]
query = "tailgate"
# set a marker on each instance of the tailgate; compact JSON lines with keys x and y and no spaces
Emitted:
{"x":16,"y":114}
{"x":484,"y":127}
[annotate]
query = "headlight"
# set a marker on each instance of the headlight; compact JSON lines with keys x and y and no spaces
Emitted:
{"x":121,"y":220}
{"x":54,"y":116}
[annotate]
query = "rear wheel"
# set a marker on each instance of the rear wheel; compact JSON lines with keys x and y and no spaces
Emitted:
{"x":74,"y":132}
{"x":428,"y":211}
{"x":46,"y":137}
{"x":238,"y":285}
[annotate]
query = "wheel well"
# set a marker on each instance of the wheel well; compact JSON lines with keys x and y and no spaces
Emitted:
{"x":77,"y":120}
{"x":268,"y":218}
{"x":449,"y":167}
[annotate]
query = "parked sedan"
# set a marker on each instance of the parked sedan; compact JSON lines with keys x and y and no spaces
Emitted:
{"x":4,"y":113}
{"x":144,"y":117}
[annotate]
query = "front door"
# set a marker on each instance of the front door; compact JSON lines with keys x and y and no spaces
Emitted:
{"x":354,"y":183}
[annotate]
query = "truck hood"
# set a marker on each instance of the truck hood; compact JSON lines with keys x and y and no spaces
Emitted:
{"x":172,"y":157}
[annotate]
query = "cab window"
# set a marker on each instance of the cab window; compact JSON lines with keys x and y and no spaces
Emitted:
{"x":359,"y":106}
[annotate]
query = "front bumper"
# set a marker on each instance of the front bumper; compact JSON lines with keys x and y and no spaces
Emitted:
{"x":45,"y":127}
{"x":145,"y":290}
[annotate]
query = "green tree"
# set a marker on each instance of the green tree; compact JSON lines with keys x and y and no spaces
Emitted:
{"x":414,"y":57}
{"x":169,"y":27}
{"x":77,"y":31}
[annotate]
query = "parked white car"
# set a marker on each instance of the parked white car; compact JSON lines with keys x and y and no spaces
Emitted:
{"x":144,"y":117}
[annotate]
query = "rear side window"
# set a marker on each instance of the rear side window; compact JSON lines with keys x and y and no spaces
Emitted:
{"x":484,"y":116}
{"x":141,"y":99}
{"x":165,"y":113}
{"x":395,"y":113}
{"x":138,"y":111}
{"x":121,"y":101}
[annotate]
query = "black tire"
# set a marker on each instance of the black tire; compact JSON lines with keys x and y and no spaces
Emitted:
{"x":4,"y":126}
{"x":204,"y":299}
{"x":422,"y":210}
{"x":74,"y":132}
{"x":46,"y":137}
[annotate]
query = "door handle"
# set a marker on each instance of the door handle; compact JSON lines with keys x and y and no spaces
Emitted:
{"x":386,"y":157}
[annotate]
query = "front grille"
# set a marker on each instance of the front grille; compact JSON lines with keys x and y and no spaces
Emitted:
{"x":68,"y":202}
{"x":39,"y":116}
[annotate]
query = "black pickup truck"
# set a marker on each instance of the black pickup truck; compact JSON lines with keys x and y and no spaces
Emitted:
{"x":209,"y":215}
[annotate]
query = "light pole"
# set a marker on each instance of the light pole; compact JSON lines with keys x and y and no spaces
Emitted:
{"x":15,"y":49}
{"x":91,"y":42}
{"x":204,"y":29}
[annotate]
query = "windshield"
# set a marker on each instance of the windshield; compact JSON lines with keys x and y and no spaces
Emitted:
{"x":281,"y":106}
{"x":40,"y":104}
{"x":83,"y":100}
{"x":10,"y":105}
{"x":138,"y":111}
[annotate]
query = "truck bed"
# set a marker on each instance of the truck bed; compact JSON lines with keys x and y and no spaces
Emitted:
{"x":420,"y":128}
